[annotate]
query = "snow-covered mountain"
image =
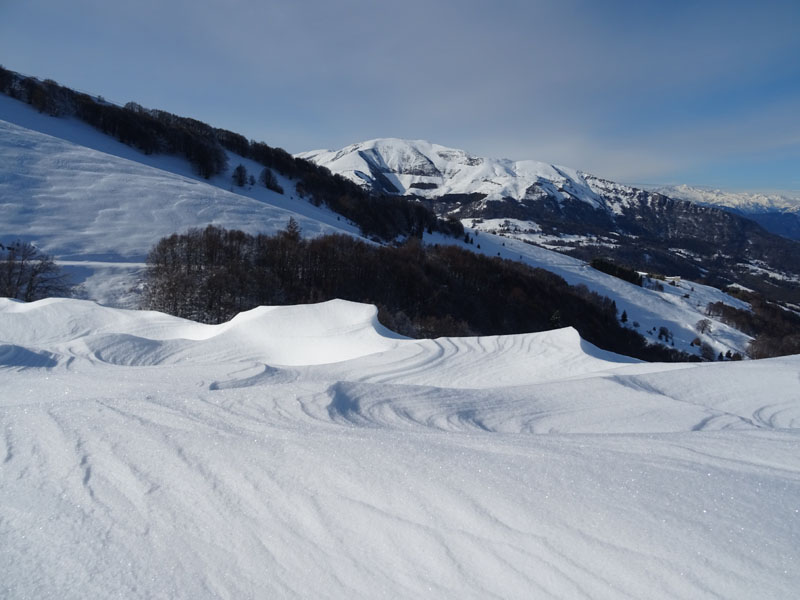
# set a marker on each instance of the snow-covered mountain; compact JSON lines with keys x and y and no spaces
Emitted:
{"x":746,"y":202}
{"x":429,"y":170}
{"x":571,"y":211}
{"x":307,"y":451}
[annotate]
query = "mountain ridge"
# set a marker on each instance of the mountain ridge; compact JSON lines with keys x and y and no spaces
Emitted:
{"x":777,"y":212}
{"x":577,"y":213}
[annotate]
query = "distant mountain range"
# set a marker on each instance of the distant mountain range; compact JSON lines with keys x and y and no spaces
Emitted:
{"x":777,"y":213}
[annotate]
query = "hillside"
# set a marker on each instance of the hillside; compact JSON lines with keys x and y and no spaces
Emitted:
{"x":208,"y":151}
{"x":306,"y":451}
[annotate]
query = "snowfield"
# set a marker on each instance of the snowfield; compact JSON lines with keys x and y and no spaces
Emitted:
{"x":306,"y":451}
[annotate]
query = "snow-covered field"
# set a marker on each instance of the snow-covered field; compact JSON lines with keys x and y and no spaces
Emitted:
{"x":307,"y":452}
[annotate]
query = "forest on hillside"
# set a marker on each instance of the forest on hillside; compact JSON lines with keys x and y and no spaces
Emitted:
{"x":159,"y":132}
{"x":211,"y":274}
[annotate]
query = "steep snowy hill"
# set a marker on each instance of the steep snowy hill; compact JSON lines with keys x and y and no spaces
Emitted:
{"x":99,"y":206}
{"x":307,"y":452}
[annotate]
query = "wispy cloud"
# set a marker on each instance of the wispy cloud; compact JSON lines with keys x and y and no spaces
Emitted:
{"x":631,"y":90}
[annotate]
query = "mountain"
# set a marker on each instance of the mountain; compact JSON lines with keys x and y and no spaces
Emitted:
{"x":419,"y":168}
{"x":307,"y":451}
{"x":576,"y":213}
{"x":777,"y":213}
{"x":99,"y":206}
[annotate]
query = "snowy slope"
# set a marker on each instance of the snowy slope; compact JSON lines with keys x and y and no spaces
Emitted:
{"x":99,"y":206}
{"x":148,"y":456}
{"x":430,"y":170}
{"x":678,"y":307}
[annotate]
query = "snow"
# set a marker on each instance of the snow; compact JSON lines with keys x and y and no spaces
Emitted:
{"x":98,"y":206}
{"x":308,"y":452}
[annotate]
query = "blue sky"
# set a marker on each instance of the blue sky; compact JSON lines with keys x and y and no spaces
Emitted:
{"x":706,"y":93}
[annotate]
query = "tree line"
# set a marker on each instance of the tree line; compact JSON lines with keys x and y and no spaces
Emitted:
{"x":776,"y":330}
{"x":157,"y":131}
{"x":211,"y":274}
{"x":611,"y":268}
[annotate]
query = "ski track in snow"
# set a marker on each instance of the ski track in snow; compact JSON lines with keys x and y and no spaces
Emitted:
{"x":308,"y":452}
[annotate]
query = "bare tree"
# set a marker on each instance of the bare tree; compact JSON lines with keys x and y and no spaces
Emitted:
{"x":28,"y":274}
{"x":703,"y":326}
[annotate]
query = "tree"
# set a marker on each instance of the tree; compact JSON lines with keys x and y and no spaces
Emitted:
{"x":703,"y":326}
{"x":240,"y":175}
{"x":28,"y":274}
{"x":267,"y":177}
{"x":624,"y":317}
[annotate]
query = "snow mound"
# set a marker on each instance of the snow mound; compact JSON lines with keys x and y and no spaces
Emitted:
{"x":284,"y":335}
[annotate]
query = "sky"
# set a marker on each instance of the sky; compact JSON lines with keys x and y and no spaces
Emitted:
{"x":702,"y":92}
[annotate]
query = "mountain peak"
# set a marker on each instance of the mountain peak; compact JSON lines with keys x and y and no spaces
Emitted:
{"x":421,"y":168}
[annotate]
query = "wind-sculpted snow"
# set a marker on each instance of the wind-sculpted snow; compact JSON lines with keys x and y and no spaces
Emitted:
{"x":291,"y":335}
{"x":308,"y":452}
{"x":23,"y":358}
